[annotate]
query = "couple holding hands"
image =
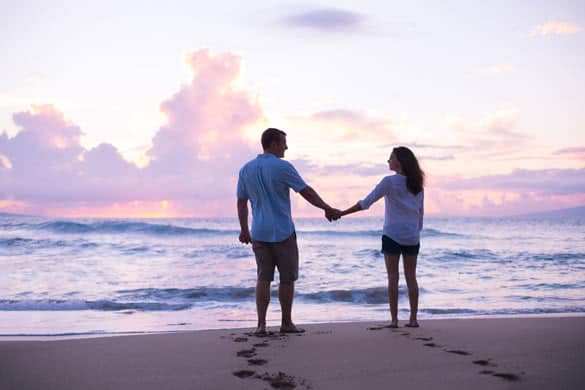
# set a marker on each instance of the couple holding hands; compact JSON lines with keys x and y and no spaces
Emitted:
{"x":266,"y":182}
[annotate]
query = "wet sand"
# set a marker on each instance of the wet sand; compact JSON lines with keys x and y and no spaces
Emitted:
{"x":511,"y":353}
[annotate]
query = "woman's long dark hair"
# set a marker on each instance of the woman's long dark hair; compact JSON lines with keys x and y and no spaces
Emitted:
{"x":415,"y":177}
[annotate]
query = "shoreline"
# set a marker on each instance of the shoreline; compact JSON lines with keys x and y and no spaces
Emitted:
{"x":486,"y":353}
{"x":93,"y":335}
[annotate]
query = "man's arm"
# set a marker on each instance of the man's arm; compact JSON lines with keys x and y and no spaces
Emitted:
{"x":243,"y":217}
{"x":313,"y":198}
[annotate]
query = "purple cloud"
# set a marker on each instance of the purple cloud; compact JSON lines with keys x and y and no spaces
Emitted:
{"x":307,"y":168}
{"x":542,"y":182}
{"x":328,"y":20}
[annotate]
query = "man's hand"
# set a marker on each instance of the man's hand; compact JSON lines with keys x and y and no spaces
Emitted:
{"x":332,"y":214}
{"x":245,"y":237}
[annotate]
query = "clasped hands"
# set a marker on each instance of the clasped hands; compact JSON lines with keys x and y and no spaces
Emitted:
{"x":333,"y":214}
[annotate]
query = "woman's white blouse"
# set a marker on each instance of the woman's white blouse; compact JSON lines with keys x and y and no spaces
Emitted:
{"x":403,"y":218}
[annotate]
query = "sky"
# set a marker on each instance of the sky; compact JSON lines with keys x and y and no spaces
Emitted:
{"x":148,"y":109}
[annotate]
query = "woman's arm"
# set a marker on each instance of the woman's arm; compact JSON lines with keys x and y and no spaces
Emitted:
{"x":353,"y":209}
{"x":379,"y":191}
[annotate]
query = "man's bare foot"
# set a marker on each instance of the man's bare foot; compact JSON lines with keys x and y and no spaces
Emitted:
{"x":412,"y":324}
{"x":393,"y":324}
{"x":260,"y":330}
{"x":290,"y":328}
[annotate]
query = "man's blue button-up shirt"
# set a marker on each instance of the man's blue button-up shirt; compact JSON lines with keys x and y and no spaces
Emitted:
{"x":266,"y":182}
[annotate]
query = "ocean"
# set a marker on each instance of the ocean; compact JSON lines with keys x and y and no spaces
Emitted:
{"x":108,"y":276}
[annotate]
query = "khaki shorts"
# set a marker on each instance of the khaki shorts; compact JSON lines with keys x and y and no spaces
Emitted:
{"x":284,"y":255}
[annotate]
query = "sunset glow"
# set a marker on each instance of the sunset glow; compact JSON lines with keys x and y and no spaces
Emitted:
{"x":154,"y":117}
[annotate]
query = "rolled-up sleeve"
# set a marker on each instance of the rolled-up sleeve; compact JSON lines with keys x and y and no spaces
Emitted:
{"x":242,"y":193}
{"x":292,"y":178}
{"x":383,"y":188}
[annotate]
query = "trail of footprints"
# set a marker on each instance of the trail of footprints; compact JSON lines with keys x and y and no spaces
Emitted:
{"x":487,"y":363}
{"x":278,"y":380}
{"x":281,"y":380}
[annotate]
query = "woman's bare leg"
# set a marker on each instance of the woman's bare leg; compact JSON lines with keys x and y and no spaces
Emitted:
{"x":412,"y":284}
{"x":392,"y":270}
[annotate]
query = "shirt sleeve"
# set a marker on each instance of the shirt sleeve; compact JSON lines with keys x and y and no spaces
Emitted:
{"x":383,"y":188}
{"x":422,"y":211}
{"x":242,"y":193}
{"x":292,"y":178}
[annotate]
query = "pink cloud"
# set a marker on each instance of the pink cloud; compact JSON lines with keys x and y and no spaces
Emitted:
{"x":206,"y":118}
{"x":576,"y":153}
{"x":350,"y":125}
{"x":557,"y":28}
{"x":196,"y":155}
{"x":193,"y":164}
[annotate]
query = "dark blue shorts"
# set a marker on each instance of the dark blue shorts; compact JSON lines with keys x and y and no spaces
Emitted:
{"x":391,"y":247}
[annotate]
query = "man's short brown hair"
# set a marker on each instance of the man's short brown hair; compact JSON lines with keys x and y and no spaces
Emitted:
{"x":271,"y":135}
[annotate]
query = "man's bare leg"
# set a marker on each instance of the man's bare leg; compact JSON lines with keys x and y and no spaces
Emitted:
{"x":392,"y":269}
{"x":262,"y":301}
{"x":286,"y":292}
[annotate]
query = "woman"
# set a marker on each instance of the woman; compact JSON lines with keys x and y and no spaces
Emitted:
{"x":404,"y":198}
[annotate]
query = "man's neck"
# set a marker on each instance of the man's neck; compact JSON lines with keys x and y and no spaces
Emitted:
{"x":271,"y":152}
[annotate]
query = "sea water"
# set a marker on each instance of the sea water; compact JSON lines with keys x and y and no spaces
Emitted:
{"x":95,"y":276}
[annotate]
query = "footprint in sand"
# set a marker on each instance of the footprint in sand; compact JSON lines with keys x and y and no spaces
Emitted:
{"x":432,"y":345}
{"x":247,"y":353}
{"x":424,"y":338}
{"x":257,"y":362}
{"x":279,"y":381}
{"x":484,"y":363}
{"x":379,"y":327}
{"x":241,"y":339}
{"x":504,"y":375}
{"x":458,"y":352}
{"x":244,"y":373}
{"x":507,"y":376}
{"x":261,"y":345}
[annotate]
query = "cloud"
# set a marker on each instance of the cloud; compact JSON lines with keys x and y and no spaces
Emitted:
{"x":343,"y":125}
{"x":541,"y":182}
{"x":192,"y":163}
{"x":327,"y":20}
{"x":496,"y":69}
{"x":5,"y":162}
{"x":449,"y":157}
{"x":308,"y":168}
{"x":416,"y":145}
{"x":494,"y":134}
{"x":431,"y":152}
{"x":206,"y":118}
{"x":577,"y":153}
{"x":496,"y":203}
{"x":556,"y":28}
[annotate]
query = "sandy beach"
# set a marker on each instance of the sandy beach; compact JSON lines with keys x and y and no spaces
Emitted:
{"x":510,"y":353}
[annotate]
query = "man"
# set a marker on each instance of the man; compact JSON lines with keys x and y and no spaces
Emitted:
{"x":266,"y":182}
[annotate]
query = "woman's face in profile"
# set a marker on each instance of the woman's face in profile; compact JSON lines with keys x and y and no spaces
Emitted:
{"x":393,"y":163}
